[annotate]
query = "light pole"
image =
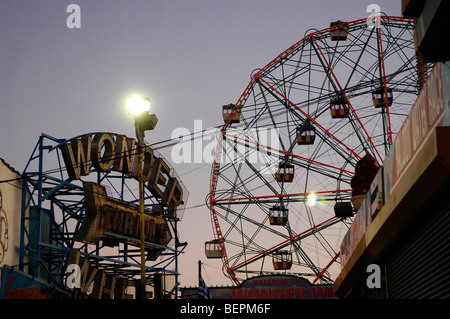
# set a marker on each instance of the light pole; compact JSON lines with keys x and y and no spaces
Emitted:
{"x":139,"y":107}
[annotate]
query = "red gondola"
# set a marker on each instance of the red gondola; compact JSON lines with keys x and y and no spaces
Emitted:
{"x":226,"y":112}
{"x":285,"y":173}
{"x":339,"y":108}
{"x":282,"y":260}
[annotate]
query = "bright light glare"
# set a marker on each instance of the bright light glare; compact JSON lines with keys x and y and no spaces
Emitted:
{"x":312,"y":199}
{"x":136,"y":105}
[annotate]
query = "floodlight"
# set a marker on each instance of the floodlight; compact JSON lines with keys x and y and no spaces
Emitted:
{"x":137,"y":105}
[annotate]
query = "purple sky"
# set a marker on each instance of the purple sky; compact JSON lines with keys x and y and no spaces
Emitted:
{"x":190,"y":56}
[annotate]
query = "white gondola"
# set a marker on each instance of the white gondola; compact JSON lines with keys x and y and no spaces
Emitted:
{"x":212,"y":249}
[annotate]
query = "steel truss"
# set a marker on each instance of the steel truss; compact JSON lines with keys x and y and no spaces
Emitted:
{"x":53,"y":210}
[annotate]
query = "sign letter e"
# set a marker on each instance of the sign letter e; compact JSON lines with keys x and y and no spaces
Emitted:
{"x":74,"y":19}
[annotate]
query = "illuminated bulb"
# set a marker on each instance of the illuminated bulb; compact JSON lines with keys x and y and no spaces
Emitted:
{"x":137,"y":105}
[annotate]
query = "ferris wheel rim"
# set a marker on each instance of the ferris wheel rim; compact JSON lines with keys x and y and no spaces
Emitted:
{"x":258,"y":75}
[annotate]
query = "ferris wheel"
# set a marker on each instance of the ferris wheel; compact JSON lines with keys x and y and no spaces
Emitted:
{"x":280,"y":191}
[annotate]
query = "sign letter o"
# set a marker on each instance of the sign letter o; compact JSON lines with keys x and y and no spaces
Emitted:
{"x":103,"y":143}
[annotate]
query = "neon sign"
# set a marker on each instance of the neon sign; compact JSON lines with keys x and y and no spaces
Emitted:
{"x":110,"y":218}
{"x":106,"y":151}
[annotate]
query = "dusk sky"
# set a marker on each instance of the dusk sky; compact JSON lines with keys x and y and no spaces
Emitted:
{"x":189,"y":56}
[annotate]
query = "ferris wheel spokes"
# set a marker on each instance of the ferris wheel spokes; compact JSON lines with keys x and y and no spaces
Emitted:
{"x":331,"y":103}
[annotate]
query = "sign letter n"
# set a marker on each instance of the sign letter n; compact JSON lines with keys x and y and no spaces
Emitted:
{"x":74,"y":19}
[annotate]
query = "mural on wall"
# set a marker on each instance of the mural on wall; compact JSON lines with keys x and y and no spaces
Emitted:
{"x":10,"y":214}
{"x":3,"y":230}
